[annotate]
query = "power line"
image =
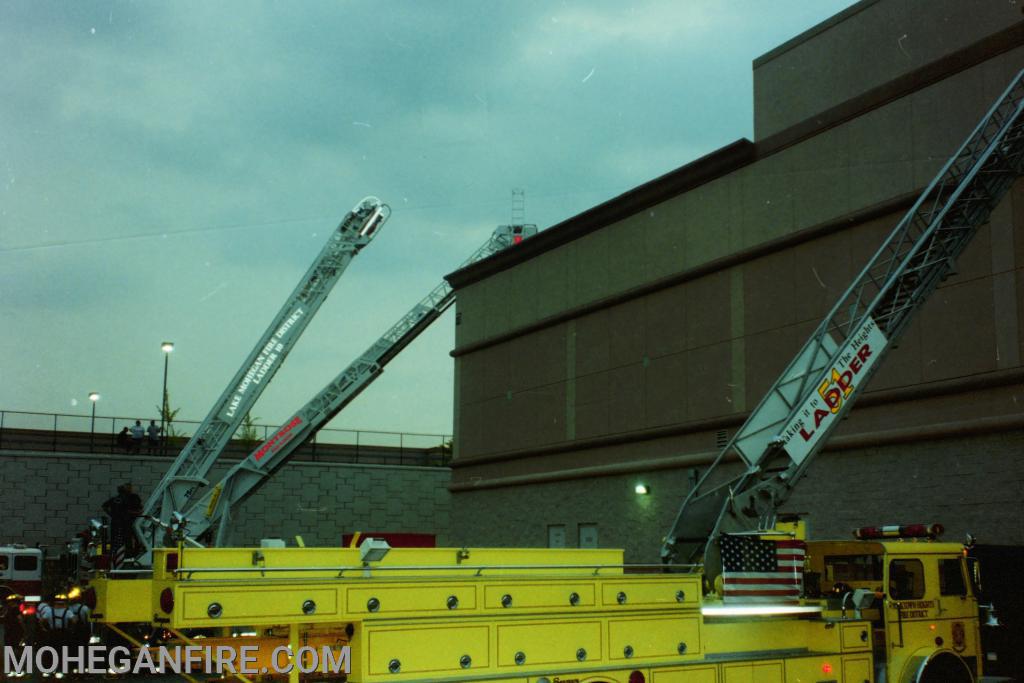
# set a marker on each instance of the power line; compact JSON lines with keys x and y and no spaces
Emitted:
{"x":159,"y":233}
{"x":282,"y":221}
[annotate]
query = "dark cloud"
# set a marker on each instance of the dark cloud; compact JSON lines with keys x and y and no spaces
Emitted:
{"x":193,"y":157}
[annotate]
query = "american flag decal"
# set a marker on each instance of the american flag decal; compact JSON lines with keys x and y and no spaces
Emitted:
{"x":760,"y":570}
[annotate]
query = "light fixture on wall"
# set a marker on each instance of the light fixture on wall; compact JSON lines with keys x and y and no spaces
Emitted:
{"x":642,"y":489}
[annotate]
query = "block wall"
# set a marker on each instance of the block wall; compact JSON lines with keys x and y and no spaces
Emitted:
{"x":46,"y":498}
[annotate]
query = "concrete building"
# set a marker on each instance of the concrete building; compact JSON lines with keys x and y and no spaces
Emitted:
{"x":626,"y":344}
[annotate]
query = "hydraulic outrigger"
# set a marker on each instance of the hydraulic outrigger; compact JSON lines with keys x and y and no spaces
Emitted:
{"x":894,"y":606}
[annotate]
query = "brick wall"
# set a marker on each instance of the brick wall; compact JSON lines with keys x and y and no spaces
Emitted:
{"x":45,"y":498}
{"x":969,"y":484}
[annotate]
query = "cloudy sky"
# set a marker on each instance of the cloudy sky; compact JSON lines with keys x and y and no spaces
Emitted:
{"x":169,"y":170}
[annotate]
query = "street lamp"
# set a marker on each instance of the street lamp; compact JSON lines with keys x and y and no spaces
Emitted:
{"x":93,"y":397}
{"x":166,"y":347}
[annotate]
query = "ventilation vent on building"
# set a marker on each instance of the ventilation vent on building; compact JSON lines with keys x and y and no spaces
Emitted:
{"x":458,"y":317}
{"x":721,"y":438}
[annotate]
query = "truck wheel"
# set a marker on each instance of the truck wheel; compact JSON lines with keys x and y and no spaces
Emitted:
{"x":944,"y":667}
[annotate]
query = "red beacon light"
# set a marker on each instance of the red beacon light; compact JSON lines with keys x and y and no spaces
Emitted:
{"x":929,"y":531}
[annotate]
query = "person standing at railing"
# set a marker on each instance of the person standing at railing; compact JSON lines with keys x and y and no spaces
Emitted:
{"x":124,"y":440}
{"x":137,"y":433}
{"x":153,"y":442}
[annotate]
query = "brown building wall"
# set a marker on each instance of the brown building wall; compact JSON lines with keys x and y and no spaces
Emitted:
{"x":864,"y":47}
{"x":639,"y":344}
{"x":970,"y":484}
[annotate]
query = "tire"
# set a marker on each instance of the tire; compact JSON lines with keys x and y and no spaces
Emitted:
{"x":944,"y":667}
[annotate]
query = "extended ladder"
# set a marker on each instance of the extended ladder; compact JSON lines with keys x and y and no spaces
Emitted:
{"x":214,"y":509}
{"x":188,"y":472}
{"x":792,"y":422}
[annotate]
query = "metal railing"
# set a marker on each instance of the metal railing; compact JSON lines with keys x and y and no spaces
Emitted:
{"x":66,"y":433}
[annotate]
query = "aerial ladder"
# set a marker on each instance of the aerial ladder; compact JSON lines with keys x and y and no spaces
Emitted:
{"x":187,"y":475}
{"x":209,"y":516}
{"x":791,"y":424}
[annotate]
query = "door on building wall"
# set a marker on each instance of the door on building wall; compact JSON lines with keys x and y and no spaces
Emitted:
{"x":588,"y":535}
{"x":556,"y":535}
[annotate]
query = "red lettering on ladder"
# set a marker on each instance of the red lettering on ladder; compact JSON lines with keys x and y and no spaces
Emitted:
{"x":280,"y":438}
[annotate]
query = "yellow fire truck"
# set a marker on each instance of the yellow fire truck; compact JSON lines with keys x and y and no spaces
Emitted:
{"x":900,"y":607}
{"x":741,"y":596}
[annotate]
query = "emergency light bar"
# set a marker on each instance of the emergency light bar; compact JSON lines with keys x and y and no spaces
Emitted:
{"x":865,"y":533}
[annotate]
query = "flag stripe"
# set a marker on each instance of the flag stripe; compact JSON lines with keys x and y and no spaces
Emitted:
{"x":761,"y":599}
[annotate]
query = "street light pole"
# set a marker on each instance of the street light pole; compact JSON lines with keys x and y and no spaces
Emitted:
{"x":166,"y":347}
{"x":93,"y":397}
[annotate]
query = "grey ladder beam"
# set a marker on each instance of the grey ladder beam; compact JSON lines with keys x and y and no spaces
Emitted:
{"x":187,"y":474}
{"x":212,"y":513}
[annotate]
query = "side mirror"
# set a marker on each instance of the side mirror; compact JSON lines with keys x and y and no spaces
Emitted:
{"x":974,"y":572}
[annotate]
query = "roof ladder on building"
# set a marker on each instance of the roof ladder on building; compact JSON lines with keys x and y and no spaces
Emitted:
{"x":792,"y":422}
{"x":518,"y":206}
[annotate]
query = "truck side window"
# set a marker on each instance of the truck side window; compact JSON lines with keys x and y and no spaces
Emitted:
{"x":951,"y":578}
{"x":847,"y":568}
{"x":25,"y":563}
{"x":4,"y":563}
{"x":906,"y":579}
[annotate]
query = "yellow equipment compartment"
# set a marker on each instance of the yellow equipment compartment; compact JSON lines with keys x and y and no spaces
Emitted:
{"x":856,"y":636}
{"x":547,"y":594}
{"x":545,"y":642}
{"x":682,"y":590}
{"x":406,"y":600}
{"x":124,"y":600}
{"x":691,"y":674}
{"x":761,"y":672}
{"x":422,"y":650}
{"x":648,"y":637}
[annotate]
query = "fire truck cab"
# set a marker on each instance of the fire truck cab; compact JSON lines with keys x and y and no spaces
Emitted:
{"x":919,"y":597}
{"x":21,"y":572}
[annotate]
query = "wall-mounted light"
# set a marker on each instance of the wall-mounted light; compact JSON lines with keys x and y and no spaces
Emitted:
{"x":642,"y":489}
